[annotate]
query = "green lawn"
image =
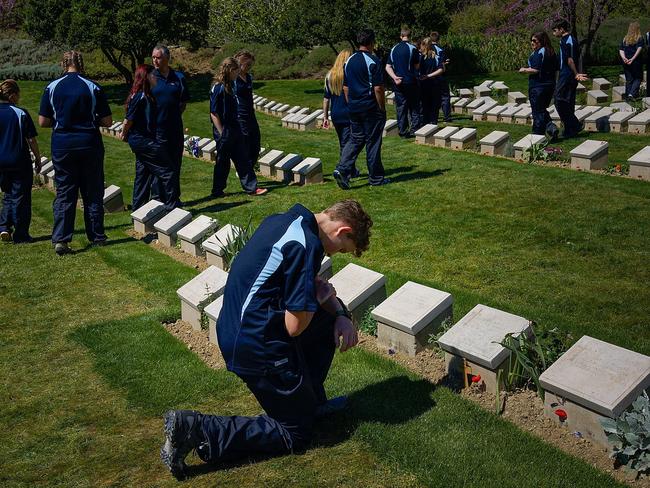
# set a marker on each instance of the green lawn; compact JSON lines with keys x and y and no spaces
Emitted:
{"x":88,"y":370}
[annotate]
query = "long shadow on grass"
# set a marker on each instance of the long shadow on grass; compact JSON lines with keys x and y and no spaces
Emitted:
{"x":418,"y":175}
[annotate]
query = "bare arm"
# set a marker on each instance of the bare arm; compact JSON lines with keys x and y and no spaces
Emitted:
{"x":379,"y":95}
{"x":621,"y":53}
{"x":391,"y":72}
{"x":345,"y":92}
{"x":636,"y":54}
{"x":572,"y":65}
{"x":33,"y":145}
{"x":126,"y":127}
{"x":529,"y":70}
{"x":326,"y":112}
{"x":217,"y":123}
{"x":44,"y":121}
{"x":296,"y":322}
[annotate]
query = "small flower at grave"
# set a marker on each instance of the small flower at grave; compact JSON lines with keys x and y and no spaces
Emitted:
{"x":618,"y":168}
{"x":476,"y":378}
{"x":561,"y":414}
{"x":391,"y":351}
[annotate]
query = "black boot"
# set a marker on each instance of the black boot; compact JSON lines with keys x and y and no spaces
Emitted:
{"x":183,"y":432}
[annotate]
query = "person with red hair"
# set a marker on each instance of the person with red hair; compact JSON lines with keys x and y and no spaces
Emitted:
{"x":152,"y":161}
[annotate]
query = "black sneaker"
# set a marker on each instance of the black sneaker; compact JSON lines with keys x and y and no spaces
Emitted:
{"x":183,"y":432}
{"x":62,"y":248}
{"x":344,"y":184}
{"x":355,"y":173}
{"x":385,"y":181}
{"x":331,"y":406}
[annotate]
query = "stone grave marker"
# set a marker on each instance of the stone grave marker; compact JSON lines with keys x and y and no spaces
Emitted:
{"x":282,"y":169}
{"x":479,"y":113}
{"x":476,"y":103}
{"x":580,"y":88}
{"x":325,"y":271}
{"x":599,"y":121}
{"x":591,"y":381}
{"x":170,"y":224}
{"x":46,"y":169}
{"x":442,"y":137}
{"x":495,"y":112}
{"x":209,"y":151}
{"x":590,"y":155}
{"x":481,"y":91}
{"x":509,"y":113}
{"x":194,"y":232}
{"x":499,"y":87}
{"x":596,"y":96}
{"x":359,"y":288}
{"x":646,"y":102}
{"x":463,"y":139}
{"x":212,"y":311}
{"x":465,"y":93}
{"x":640,"y":164}
{"x":622,"y":106}
{"x":204,"y":141}
{"x":517,"y":97}
{"x":601,"y":84}
{"x":407,"y":318}
{"x":585,"y":112}
{"x":621,"y":79}
{"x":214,"y":245}
{"x":390,"y":128}
{"x":308,"y":171}
{"x":268,"y":160}
{"x":197,"y":293}
{"x":472,"y":346}
{"x":618,"y":121}
{"x":523,"y":116}
{"x":146,"y":216}
{"x":618,"y":93}
{"x":293,"y":109}
{"x":523,"y":144}
{"x":495,"y":143}
{"x":285,"y":120}
{"x":309,"y":122}
{"x":113,"y":200}
{"x":639,"y":123}
{"x":390,"y":99}
{"x":424,"y":135}
{"x":460,"y":105}
{"x":555,"y":117}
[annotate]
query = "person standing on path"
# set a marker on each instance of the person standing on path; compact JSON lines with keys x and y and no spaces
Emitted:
{"x":169,"y":89}
{"x":17,"y":137}
{"x":278,"y":330}
{"x":363,"y":86}
{"x":567,"y":82}
{"x":445,"y":96}
{"x":431,"y":70}
{"x":630,"y":53}
{"x":402,"y":66}
{"x":75,"y":107}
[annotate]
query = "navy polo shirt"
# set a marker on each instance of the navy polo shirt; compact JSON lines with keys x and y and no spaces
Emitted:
{"x":568,"y":49}
{"x":404,"y":58}
{"x":362,"y":73}
{"x":142,"y":112}
{"x":244,"y":94}
{"x":274,"y":272}
{"x":630,"y":50}
{"x":545,"y":64}
{"x":16,"y":126}
{"x":441,"y":57}
{"x":170,"y":93}
{"x":76,"y":105}
{"x":223,"y":105}
{"x":339,"y":112}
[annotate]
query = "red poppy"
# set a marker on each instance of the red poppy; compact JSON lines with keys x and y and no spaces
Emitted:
{"x":476,"y":378}
{"x":561,"y":414}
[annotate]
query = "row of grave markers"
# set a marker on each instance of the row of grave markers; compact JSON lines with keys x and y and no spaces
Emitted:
{"x":113,"y":199}
{"x":589,"y":155}
{"x":591,"y":381}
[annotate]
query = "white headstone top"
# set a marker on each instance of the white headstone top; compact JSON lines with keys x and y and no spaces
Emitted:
{"x":390,"y":123}
{"x":198,"y":228}
{"x":111,"y":192}
{"x":642,"y":158}
{"x":622,"y":106}
{"x":463,"y":134}
{"x":412,"y":307}
{"x":210,"y":147}
{"x":497,"y":109}
{"x":446,"y":132}
{"x":173,"y":221}
{"x":426,"y":130}
{"x":476,"y":103}
{"x":271,"y":157}
{"x":524,"y":112}
{"x":601,"y":83}
{"x":294,"y":109}
{"x":465,"y":92}
{"x":203,"y":287}
{"x":622,"y":116}
{"x":216,"y":242}
{"x":477,"y":335}
{"x":485,"y":107}
{"x":214,"y":308}
{"x":115,"y":125}
{"x":325,"y":264}
{"x":510,"y":111}
{"x":288,"y":162}
{"x":306,"y":166}
{"x":354,"y":284}
{"x":46,"y":168}
{"x":589,"y":149}
{"x":527,"y":141}
{"x":495,"y":137}
{"x":597,"y":375}
{"x":499,"y":85}
{"x":148,"y":211}
{"x":603,"y":112}
{"x":641,"y":117}
{"x":203,"y":142}
{"x":287,"y":117}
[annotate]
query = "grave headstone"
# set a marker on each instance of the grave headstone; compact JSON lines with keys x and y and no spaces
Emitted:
{"x":170,"y":224}
{"x":390,"y":99}
{"x":481,"y":91}
{"x":309,"y":122}
{"x":499,"y":87}
{"x":212,"y":311}
{"x":508,"y":114}
{"x":146,"y":216}
{"x":523,"y":116}
{"x":214,"y":245}
{"x":618,"y":93}
{"x":596,"y":96}
{"x":517,"y":97}
{"x":599,"y":121}
{"x":479,"y":113}
{"x":580,"y":88}
{"x":640,"y":164}
{"x":390,"y":128}
{"x":197,"y":293}
{"x":113,"y":200}
{"x":325,"y":271}
{"x":621,"y":79}
{"x":646,"y":102}
{"x":495,"y":112}
{"x":590,"y":155}
{"x":640,"y":123}
{"x":622,"y":106}
{"x":308,"y":171}
{"x":524,"y":144}
{"x":293,"y":109}
{"x":424,"y":135}
{"x":407,"y":318}
{"x":442,"y":137}
{"x":359,"y":288}
{"x":585,"y":112}
{"x":618,"y":121}
{"x":268,"y":160}
{"x":209,"y":151}
{"x":282,"y":169}
{"x":495,"y":143}
{"x":591,"y":381}
{"x":193,"y":233}
{"x":601,"y":84}
{"x":460,"y":105}
{"x":465,"y":93}
{"x":472,"y":346}
{"x":463,"y":139}
{"x":476,"y":103}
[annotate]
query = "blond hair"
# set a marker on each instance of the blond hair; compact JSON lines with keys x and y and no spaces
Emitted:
{"x":72,"y":59}
{"x":335,"y":75}
{"x":426,"y":48}
{"x":351,"y":212}
{"x":7,"y":89}
{"x":226,"y":67}
{"x":633,"y":34}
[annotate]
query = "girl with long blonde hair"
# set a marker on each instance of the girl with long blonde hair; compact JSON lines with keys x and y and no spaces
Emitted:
{"x":630,"y":53}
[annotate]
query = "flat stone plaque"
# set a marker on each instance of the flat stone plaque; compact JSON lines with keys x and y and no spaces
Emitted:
{"x":282,"y":169}
{"x":268,"y":160}
{"x":597,"y":375}
{"x":424,"y":135}
{"x":46,"y":168}
{"x":465,"y":93}
{"x":601,"y":84}
{"x":642,"y":157}
{"x":476,"y":103}
{"x":390,"y":128}
{"x":590,"y":149}
{"x":527,"y":141}
{"x":618,"y":93}
{"x":173,"y":221}
{"x":113,"y":201}
{"x":149,"y":211}
{"x":197,"y":229}
{"x":442,"y":137}
{"x":465,"y":134}
{"x":354,"y":284}
{"x":516,"y":97}
{"x":596,"y":96}
{"x":199,"y":292}
{"x":477,"y":335}
{"x":214,"y":244}
{"x":308,"y":171}
{"x":325,"y":271}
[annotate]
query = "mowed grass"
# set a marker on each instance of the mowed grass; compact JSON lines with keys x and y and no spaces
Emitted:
{"x":88,"y":369}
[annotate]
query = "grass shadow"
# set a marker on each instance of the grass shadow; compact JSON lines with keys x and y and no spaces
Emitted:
{"x":419,"y":175}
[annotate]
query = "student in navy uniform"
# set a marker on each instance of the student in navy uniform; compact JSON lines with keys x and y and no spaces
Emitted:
{"x":567,"y":82}
{"x":443,"y":61}
{"x":542,"y":65}
{"x":139,"y":130}
{"x":278,"y":330}
{"x":231,"y":143}
{"x":402,"y":66}
{"x":335,"y":104}
{"x":17,"y":136}
{"x":630,"y":53}
{"x":431,"y":71}
{"x":243,"y":89}
{"x":75,"y":107}
{"x":171,"y":94}
{"x":363,"y":86}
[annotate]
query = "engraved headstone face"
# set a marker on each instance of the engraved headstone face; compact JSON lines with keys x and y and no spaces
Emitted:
{"x":495,"y":137}
{"x":148,"y":211}
{"x":477,"y":335}
{"x":173,"y":221}
{"x":198,"y":228}
{"x":216,"y":242}
{"x":597,"y":375}
{"x":203,"y":287}
{"x":354,"y":283}
{"x":590,"y":149}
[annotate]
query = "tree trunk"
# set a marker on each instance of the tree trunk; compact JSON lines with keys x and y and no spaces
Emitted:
{"x":117,"y":63}
{"x":354,"y":46}
{"x":329,"y":43}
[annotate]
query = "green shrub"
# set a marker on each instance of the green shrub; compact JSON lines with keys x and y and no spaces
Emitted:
{"x":368,"y":325}
{"x":27,"y":52}
{"x":32,"y":72}
{"x":481,"y":54}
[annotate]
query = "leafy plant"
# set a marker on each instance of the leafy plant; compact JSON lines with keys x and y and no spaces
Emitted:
{"x":368,"y":325}
{"x":536,"y":152}
{"x":433,"y":338}
{"x":192,"y":146}
{"x":629,"y":435}
{"x":235,"y":243}
{"x":618,"y":168}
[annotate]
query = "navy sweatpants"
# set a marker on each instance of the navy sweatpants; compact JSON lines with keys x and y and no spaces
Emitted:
{"x":79,"y":171}
{"x":16,"y":211}
{"x":408,"y":107}
{"x":152,"y":162}
{"x":633,"y":78}
{"x":565,"y":103}
{"x":365,"y":130}
{"x":540,"y":96}
{"x":232,"y":145}
{"x":289,"y":399}
{"x":252,"y":140}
